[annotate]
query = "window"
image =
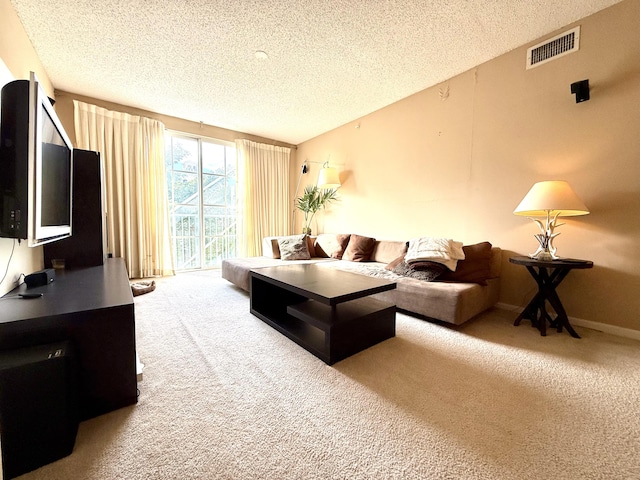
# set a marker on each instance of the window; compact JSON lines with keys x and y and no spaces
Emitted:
{"x":201,"y":177}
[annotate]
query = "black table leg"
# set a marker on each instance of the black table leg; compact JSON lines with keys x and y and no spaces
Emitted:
{"x":536,"y":309}
{"x":530,"y":312}
{"x":561,"y":318}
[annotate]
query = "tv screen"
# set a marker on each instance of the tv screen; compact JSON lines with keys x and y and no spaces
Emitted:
{"x":56,"y":189}
{"x":53,"y":198}
{"x":36,"y":166}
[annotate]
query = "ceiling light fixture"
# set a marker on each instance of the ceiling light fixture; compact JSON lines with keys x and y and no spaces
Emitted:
{"x":261,"y":54}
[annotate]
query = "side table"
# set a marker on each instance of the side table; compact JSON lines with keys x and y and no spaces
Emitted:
{"x":548,"y":274}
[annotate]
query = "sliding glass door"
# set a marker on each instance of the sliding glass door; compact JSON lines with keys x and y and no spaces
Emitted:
{"x":201,"y":176}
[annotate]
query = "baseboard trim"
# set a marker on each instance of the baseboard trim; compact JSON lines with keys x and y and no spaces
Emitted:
{"x":580,"y":322}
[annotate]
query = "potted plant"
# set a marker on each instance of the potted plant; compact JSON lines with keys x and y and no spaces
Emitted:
{"x":312,"y":200}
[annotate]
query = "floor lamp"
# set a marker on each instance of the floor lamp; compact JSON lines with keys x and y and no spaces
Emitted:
{"x":303,"y":170}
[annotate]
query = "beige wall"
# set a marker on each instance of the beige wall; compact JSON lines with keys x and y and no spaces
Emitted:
{"x":20,"y":58}
{"x":458,"y":165}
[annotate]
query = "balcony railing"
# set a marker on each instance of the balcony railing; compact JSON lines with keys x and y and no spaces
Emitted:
{"x":186,"y":240}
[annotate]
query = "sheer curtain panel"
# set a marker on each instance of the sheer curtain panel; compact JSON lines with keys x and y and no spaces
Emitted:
{"x":132,"y":149}
{"x":263,"y":194}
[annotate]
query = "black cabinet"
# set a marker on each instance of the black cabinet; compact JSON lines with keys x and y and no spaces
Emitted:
{"x":38,"y":406}
{"x":93,"y":309}
{"x":85,"y":247}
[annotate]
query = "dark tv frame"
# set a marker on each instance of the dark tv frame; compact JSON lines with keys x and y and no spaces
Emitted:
{"x":24,"y":151}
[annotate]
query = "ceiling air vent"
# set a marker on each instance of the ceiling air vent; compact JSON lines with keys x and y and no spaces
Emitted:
{"x":563,"y":44}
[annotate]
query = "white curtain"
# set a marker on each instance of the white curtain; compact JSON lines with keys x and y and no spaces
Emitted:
{"x":263,"y":194}
{"x":132,"y":151}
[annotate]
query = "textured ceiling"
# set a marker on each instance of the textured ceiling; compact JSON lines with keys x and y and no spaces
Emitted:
{"x":329,"y":62}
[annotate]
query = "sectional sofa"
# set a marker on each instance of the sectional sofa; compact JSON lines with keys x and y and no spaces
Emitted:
{"x":452,"y":297}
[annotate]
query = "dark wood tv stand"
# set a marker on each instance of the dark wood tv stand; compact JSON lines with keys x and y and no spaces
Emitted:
{"x":92,"y":307}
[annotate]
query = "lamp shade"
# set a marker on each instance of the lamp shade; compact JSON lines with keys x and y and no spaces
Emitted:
{"x":328,"y":178}
{"x":555,"y":197}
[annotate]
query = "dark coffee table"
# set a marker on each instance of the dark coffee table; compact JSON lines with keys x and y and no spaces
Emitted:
{"x":323,"y":310}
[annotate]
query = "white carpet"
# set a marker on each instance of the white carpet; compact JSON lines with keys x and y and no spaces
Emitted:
{"x":226,"y":396}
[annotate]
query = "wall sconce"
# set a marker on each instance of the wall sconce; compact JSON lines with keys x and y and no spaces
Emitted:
{"x":550,"y":199}
{"x":581,"y":90}
{"x":328,"y":177}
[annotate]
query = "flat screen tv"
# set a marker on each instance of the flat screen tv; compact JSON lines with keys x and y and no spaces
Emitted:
{"x":36,"y":166}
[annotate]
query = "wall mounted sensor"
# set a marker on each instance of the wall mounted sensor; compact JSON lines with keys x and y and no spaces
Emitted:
{"x":581,"y":90}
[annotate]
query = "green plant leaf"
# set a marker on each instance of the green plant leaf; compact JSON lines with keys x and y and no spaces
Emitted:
{"x":313,"y":200}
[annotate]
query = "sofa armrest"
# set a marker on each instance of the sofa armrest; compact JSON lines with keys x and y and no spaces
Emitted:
{"x":496,"y":262}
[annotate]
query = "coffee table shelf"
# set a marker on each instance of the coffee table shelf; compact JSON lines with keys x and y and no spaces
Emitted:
{"x":323,"y":310}
{"x":304,"y":334}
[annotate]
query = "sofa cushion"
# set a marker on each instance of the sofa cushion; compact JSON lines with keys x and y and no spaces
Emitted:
{"x":370,"y":269}
{"x":386,"y":251}
{"x":452,"y":302}
{"x":476,"y":266}
{"x":293,"y":247}
{"x":236,"y":270}
{"x":359,"y":248}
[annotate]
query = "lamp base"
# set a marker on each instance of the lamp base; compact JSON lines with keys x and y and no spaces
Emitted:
{"x":543,"y":256}
{"x":546,"y":251}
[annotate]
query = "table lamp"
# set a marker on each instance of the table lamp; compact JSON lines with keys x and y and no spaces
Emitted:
{"x":549,"y":199}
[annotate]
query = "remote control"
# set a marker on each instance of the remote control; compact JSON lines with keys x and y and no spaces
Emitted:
{"x":30,"y":295}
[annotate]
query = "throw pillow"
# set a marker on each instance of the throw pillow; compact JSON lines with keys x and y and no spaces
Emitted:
{"x":294,"y":247}
{"x":394,"y":263}
{"x":476,"y":266}
{"x":270,"y":247}
{"x":331,"y":245}
{"x":310,"y":245}
{"x":359,"y":248}
{"x":343,"y":241}
{"x":406,"y":270}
